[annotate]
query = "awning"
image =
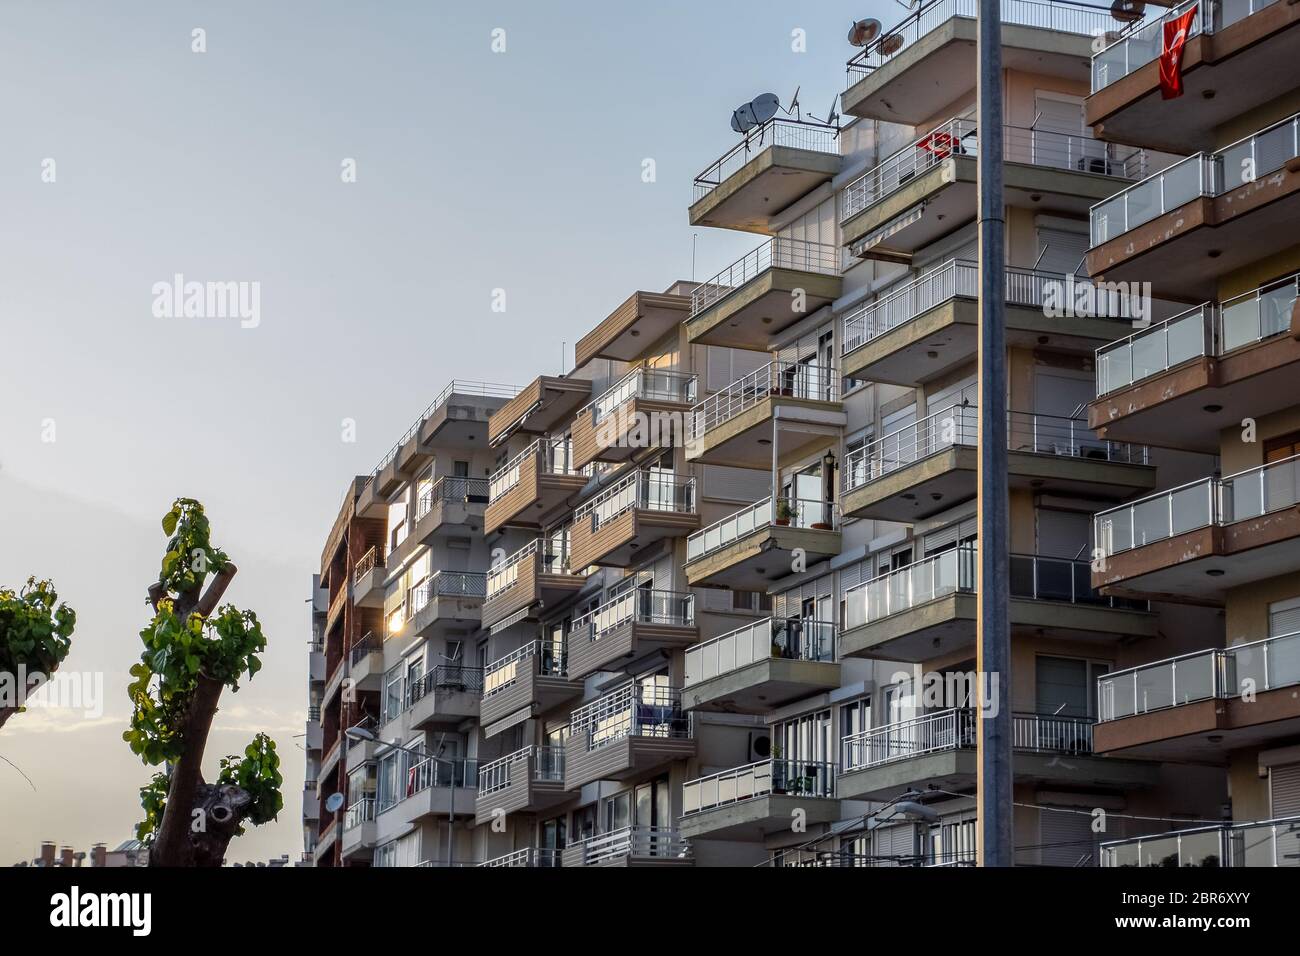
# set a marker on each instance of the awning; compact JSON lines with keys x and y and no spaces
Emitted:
{"x":521,"y":615}
{"x":895,"y":225}
{"x":505,"y":723}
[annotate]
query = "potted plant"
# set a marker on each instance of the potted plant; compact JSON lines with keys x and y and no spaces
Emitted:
{"x":785,"y":511}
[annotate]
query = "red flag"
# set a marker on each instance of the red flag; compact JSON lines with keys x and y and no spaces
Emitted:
{"x":1171,"y":58}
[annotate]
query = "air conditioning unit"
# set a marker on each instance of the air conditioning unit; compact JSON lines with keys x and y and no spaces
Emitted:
{"x":760,"y":746}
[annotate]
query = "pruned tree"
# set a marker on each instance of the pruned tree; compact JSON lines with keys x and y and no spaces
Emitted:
{"x":192,"y":652}
{"x":35,"y":636}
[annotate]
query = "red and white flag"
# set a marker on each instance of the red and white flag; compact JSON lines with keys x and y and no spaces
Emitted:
{"x":1171,"y":57}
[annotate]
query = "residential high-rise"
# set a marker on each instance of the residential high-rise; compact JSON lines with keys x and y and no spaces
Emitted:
{"x":709,"y":598}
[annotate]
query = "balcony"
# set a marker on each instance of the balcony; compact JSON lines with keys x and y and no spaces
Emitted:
{"x":530,"y":485}
{"x":452,"y":506}
{"x":627,"y":733}
{"x":928,"y":326}
{"x":368,"y":578}
{"x":927,"y":609}
{"x":928,"y":189}
{"x":1198,"y":707}
{"x":764,"y":293}
{"x":449,"y":600}
{"x":547,"y":857}
{"x":644,"y":409}
{"x":448,"y":694}
{"x":629,"y":627}
{"x":1193,"y":543}
{"x":638,"y":510}
{"x":1268,"y":843}
{"x":316,"y":673}
{"x":940,"y":749}
{"x":1184,"y":380}
{"x":527,"y":781}
{"x":774,"y":166}
{"x":458,"y":417}
{"x":310,"y":801}
{"x":792,"y":406}
{"x":366,"y":662}
{"x":315,"y":737}
{"x":1195,"y":222}
{"x":931,"y":465}
{"x":359,"y":829}
{"x":536,"y":574}
{"x":915,"y":69}
{"x":543,"y":405}
{"x":756,"y":546}
{"x":761,"y":666}
{"x":524,"y":684}
{"x":434,"y":787}
{"x":750,"y":803}
{"x":636,"y":325}
{"x":631,"y":846}
{"x":1241,"y":49}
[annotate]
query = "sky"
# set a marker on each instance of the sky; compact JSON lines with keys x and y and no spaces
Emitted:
{"x":130,"y":158}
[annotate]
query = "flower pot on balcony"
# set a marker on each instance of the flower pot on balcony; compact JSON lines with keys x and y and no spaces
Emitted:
{"x":783,"y":522}
{"x":821,"y":526}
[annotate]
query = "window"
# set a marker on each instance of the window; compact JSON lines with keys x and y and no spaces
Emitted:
{"x":391,"y":705}
{"x":1065,"y":685}
{"x":855,"y":717}
{"x":951,"y":842}
{"x":389,"y":768}
{"x":804,"y":738}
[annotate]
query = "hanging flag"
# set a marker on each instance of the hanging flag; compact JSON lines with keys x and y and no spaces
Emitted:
{"x":1176,"y":33}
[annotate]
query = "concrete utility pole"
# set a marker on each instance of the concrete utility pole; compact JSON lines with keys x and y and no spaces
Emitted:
{"x":994,"y":652}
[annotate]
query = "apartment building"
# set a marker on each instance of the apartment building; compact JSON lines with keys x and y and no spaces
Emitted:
{"x":1211,"y":232}
{"x":726,"y":566}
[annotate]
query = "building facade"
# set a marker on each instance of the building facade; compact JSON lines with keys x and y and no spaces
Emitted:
{"x":709,"y":598}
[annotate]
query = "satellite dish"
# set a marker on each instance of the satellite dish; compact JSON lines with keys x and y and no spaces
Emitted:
{"x":743,"y":119}
{"x":1128,"y":11}
{"x":334,"y":802}
{"x":832,"y":117}
{"x":765,"y":107}
{"x":891,"y":44}
{"x":864,"y":31}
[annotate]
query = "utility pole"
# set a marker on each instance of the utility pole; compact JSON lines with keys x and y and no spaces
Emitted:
{"x":994,"y":651}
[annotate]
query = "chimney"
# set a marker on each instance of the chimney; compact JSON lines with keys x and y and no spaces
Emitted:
{"x":65,"y":857}
{"x":47,"y":854}
{"x":99,"y":855}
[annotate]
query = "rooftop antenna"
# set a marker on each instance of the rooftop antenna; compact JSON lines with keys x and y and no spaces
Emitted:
{"x":832,"y":117}
{"x":862,"y":32}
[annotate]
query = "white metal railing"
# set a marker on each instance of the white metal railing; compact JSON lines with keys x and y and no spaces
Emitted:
{"x":1061,"y":17}
{"x":771,"y":638}
{"x":1206,"y":329}
{"x":552,"y":558}
{"x":635,"y":841}
{"x":529,"y":856}
{"x":1199,"y":504}
{"x":777,"y":131}
{"x":547,"y":765}
{"x":956,"y":729}
{"x":1217,"y":673}
{"x":1143,"y":42}
{"x":792,"y":379}
{"x":1027,"y":432}
{"x":1266,"y":843}
{"x":918,"y":583}
{"x":505,"y":671}
{"x":363,"y":811}
{"x":959,"y":278}
{"x":645,"y":489}
{"x":639,"y":605}
{"x":804,"y":778}
{"x":456,"y":387}
{"x":796,"y":512}
{"x":1204,"y":174}
{"x":776,"y":253}
{"x":959,"y":136}
{"x":648,"y":710}
{"x":553,"y":457}
{"x":650,"y":384}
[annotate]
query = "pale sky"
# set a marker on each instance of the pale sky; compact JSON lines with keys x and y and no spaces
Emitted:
{"x":476,"y":171}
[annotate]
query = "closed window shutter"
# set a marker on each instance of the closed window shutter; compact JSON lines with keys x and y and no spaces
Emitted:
{"x":745,"y":485}
{"x":1066,"y":838}
{"x":898,"y":843}
{"x":1284,"y":618}
{"x":1065,"y":251}
{"x":1284,"y":790}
